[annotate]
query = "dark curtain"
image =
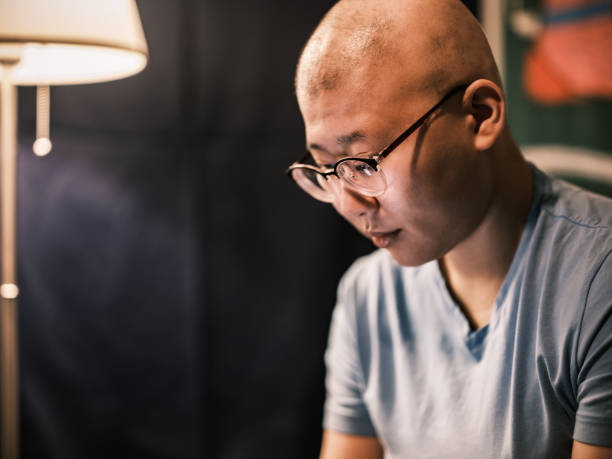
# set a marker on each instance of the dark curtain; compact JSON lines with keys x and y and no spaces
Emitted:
{"x":176,"y":286}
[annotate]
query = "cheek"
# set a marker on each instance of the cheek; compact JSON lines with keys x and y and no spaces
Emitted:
{"x":445,"y":171}
{"x":422,"y":174}
{"x":440,"y":184}
{"x":456,"y":191}
{"x":410,"y":188}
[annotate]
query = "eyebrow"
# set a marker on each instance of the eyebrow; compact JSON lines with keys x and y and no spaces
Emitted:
{"x":344,"y":140}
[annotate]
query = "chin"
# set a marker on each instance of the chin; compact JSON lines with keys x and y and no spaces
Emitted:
{"x":417,"y":248}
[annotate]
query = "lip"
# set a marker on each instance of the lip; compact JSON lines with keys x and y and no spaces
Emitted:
{"x":383,"y":239}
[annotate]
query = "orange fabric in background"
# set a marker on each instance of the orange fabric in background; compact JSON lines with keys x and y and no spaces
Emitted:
{"x":570,"y":59}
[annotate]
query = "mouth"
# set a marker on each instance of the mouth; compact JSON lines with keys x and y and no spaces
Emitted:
{"x":383,"y":239}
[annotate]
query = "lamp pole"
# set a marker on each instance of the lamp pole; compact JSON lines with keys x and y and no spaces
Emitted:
{"x":108,"y":34}
{"x":8,"y":245}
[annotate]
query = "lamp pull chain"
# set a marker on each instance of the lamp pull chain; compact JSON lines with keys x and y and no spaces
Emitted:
{"x":42,"y":144}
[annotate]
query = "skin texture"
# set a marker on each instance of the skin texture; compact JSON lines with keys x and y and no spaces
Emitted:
{"x":458,"y":189}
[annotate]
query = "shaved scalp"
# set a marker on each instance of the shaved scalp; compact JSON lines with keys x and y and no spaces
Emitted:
{"x":434,"y":43}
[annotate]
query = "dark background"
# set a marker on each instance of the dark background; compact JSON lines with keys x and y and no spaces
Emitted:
{"x":176,"y":286}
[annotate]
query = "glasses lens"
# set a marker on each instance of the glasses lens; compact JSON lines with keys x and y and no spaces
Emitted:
{"x":316,"y":185}
{"x":362,"y":177}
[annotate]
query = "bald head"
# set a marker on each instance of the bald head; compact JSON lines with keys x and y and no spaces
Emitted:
{"x":432,"y":44}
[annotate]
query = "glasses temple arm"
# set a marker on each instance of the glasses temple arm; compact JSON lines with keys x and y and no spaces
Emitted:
{"x":418,"y":122}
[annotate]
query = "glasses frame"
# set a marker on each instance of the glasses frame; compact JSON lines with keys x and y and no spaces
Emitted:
{"x":375,"y":160}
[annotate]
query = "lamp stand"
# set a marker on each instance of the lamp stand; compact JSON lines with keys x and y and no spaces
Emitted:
{"x":8,"y":246}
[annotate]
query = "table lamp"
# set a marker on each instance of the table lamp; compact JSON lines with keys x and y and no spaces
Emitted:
{"x":45,"y":43}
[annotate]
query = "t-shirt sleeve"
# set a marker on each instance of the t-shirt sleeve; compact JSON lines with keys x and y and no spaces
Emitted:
{"x":345,"y":410}
{"x":594,"y":383}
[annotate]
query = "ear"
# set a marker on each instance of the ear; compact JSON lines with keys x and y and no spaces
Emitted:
{"x":484,"y":101}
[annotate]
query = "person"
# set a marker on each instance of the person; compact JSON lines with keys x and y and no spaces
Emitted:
{"x":482,"y":327}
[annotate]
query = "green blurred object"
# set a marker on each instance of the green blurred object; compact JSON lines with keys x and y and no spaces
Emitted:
{"x":584,"y":124}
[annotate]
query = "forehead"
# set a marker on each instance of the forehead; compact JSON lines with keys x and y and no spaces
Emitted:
{"x":356,"y":116}
{"x":335,"y":121}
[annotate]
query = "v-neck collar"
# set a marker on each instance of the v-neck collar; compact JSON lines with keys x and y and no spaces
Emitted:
{"x":475,"y":340}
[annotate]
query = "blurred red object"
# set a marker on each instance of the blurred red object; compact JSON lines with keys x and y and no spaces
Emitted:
{"x":572,"y":56}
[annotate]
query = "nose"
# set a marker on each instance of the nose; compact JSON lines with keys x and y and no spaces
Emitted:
{"x":352,"y":204}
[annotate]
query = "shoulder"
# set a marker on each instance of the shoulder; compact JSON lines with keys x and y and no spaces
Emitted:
{"x":573,"y":228}
{"x":567,"y":265}
{"x":570,"y":207}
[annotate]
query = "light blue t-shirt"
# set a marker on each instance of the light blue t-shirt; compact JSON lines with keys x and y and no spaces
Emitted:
{"x":404,"y":365}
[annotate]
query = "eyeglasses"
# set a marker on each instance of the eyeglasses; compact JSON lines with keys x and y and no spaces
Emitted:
{"x":360,"y":173}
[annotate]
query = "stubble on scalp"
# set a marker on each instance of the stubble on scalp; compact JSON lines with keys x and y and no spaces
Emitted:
{"x":436,"y":43}
{"x":346,"y":42}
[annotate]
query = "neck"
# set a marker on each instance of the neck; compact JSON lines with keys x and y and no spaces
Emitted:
{"x":476,"y":268}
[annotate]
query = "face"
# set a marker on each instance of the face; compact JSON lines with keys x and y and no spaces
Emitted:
{"x":438,"y":185}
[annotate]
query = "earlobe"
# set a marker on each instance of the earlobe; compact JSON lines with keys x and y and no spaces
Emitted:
{"x":485,"y":103}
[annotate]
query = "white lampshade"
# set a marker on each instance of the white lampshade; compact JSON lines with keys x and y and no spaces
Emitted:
{"x":71,"y":41}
